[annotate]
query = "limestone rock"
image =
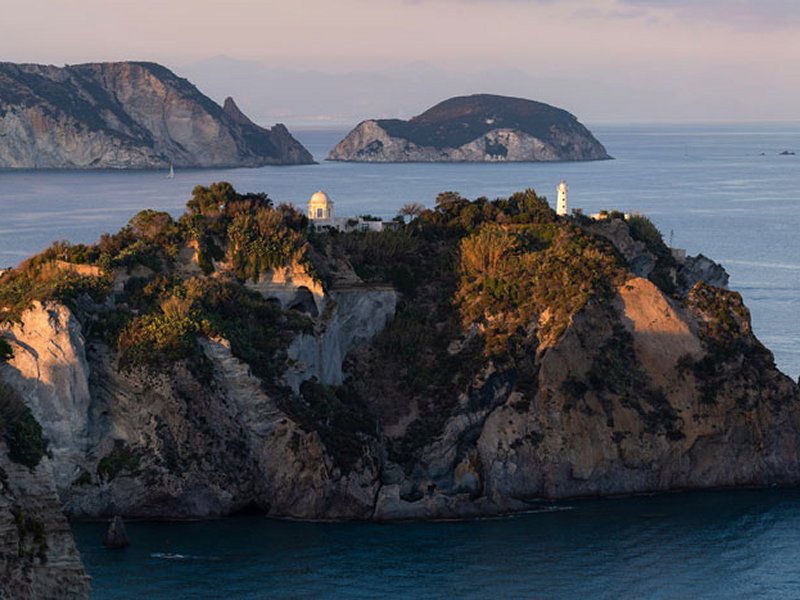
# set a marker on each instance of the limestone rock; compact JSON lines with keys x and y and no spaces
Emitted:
{"x":116,"y":536}
{"x":126,"y":115}
{"x":38,"y":557}
{"x":701,"y":268}
{"x":479,"y":128}
{"x":51,"y":373}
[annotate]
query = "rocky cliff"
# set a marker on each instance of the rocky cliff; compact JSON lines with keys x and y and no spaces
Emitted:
{"x":485,"y":356}
{"x":127,"y":115}
{"x":479,"y":128}
{"x":38,"y":558}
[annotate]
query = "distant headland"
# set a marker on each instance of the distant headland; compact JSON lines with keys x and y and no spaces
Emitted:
{"x":136,"y":115}
{"x":478,"y":128}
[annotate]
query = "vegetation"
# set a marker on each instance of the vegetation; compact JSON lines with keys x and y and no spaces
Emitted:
{"x":121,"y":458}
{"x":6,"y":352}
{"x":513,"y":278}
{"x":642,"y":229}
{"x":20,"y":430}
{"x":173,"y":312}
{"x":342,"y":420}
{"x":29,"y":526}
{"x":43,"y":278}
{"x":726,"y":335}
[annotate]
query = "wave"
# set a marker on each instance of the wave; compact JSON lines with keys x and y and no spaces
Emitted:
{"x":182,"y":557}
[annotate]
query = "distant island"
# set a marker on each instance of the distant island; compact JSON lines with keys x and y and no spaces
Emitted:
{"x":478,"y":128}
{"x":137,"y":115}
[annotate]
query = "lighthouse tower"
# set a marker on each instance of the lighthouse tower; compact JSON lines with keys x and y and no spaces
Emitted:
{"x":561,"y":203}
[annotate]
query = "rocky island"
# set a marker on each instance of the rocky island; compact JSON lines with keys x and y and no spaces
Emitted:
{"x":483,"y":356}
{"x":478,"y":128}
{"x":127,"y":115}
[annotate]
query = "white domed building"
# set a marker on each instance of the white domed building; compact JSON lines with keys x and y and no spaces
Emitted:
{"x":320,"y":208}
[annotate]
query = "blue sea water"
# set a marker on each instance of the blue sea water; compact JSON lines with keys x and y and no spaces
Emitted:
{"x":721,"y":190}
{"x":709,"y":545}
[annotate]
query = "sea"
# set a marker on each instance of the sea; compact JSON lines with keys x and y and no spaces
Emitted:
{"x":730,"y":192}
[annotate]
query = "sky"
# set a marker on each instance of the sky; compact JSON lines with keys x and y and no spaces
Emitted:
{"x":334,"y":61}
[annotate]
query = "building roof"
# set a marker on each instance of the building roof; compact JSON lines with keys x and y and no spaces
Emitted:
{"x":320,"y":197}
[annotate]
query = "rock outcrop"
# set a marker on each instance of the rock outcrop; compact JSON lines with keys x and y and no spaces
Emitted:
{"x":132,"y":115}
{"x":38,"y":558}
{"x":51,"y":373}
{"x":479,"y":128}
{"x":701,"y":268}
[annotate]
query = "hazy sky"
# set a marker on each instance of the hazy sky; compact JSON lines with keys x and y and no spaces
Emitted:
{"x":602,"y":59}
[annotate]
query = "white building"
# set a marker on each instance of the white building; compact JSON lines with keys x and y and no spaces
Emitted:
{"x":561,"y":202}
{"x":320,"y":208}
{"x":319,"y":211}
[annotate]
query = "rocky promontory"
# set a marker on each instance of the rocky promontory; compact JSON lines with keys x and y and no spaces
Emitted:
{"x":481,"y":357}
{"x":478,"y":128}
{"x":127,"y":115}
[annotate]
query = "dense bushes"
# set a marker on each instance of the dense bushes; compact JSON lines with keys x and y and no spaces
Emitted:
{"x":173,"y":312}
{"x":263,"y":240}
{"x":40,"y":280}
{"x":517,"y":277}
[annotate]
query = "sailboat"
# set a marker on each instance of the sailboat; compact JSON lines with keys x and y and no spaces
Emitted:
{"x":171,"y":174}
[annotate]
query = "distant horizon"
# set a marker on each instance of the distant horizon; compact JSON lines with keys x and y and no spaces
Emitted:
{"x":606,"y":61}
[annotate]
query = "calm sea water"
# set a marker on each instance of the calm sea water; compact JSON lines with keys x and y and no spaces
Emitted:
{"x":724,"y":545}
{"x":709,"y":185}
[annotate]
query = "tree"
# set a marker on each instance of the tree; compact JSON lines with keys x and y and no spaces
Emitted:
{"x":211,"y":201}
{"x":446,"y":198}
{"x":411,"y":209}
{"x":152,"y":224}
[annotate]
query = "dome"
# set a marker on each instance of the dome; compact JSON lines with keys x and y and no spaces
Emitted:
{"x":320,"y":198}
{"x":320,"y":207}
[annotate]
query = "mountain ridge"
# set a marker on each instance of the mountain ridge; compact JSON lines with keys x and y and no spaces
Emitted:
{"x":125,"y":115}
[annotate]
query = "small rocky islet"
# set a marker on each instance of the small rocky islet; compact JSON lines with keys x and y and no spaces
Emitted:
{"x":477,"y":128}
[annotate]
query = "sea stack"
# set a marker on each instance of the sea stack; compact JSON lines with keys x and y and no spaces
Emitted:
{"x":478,"y":128}
{"x":116,"y":536}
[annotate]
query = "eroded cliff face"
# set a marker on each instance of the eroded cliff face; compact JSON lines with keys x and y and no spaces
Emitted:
{"x":356,"y":315}
{"x":617,"y":406}
{"x":51,"y":373}
{"x":126,"y":115}
{"x":194,"y":441}
{"x":38,"y":558}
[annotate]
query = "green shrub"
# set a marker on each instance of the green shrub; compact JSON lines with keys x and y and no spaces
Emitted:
{"x":20,"y":430}
{"x":342,"y":420}
{"x":44,"y":281}
{"x":121,"y":458}
{"x":6,"y":352}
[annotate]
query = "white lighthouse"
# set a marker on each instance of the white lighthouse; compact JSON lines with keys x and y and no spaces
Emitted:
{"x":561,"y":202}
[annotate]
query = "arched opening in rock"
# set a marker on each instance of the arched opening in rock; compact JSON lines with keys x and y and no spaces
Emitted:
{"x":304,"y":302}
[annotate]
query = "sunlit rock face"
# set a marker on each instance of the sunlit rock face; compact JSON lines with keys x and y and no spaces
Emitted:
{"x":127,"y":115}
